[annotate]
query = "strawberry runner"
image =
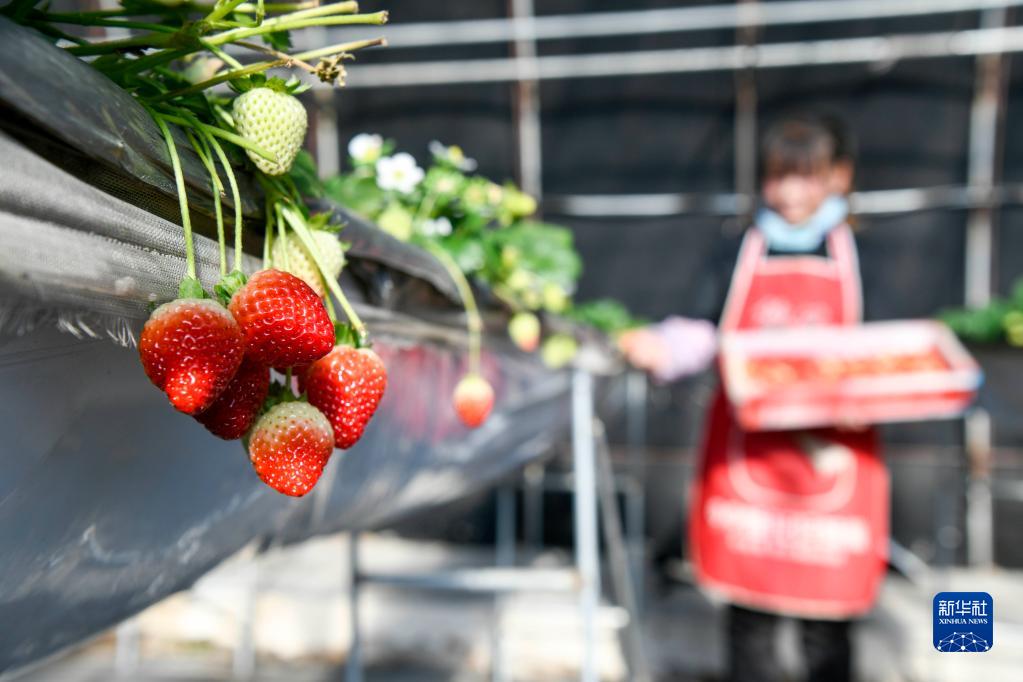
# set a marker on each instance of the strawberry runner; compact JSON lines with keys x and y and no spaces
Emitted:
{"x":791,"y":522}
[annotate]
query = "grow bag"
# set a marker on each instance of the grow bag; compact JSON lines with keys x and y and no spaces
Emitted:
{"x":109,"y":499}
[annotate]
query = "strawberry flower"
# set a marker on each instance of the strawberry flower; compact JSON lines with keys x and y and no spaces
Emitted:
{"x":453,"y":156}
{"x":399,"y":173}
{"x":440,"y":227}
{"x":365,"y":148}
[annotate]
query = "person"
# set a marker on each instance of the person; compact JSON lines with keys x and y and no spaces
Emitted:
{"x":789,"y":523}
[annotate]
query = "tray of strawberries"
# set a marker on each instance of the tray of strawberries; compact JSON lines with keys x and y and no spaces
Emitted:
{"x":872,"y":373}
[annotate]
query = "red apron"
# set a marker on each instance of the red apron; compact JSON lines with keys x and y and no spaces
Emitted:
{"x":791,"y":522}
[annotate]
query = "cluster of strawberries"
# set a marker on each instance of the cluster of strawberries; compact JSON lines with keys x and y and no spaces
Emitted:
{"x":214,"y":363}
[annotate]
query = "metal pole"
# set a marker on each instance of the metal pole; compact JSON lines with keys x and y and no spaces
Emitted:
{"x":328,"y":149}
{"x":980,"y":523}
{"x":746,"y":126}
{"x":127,"y":654}
{"x":722,"y":16}
{"x":527,"y":102}
{"x":635,"y":519}
{"x":865,"y":50}
{"x":243,"y":662}
{"x":585,"y":508}
{"x":618,"y":558}
{"x":985,"y":129}
{"x":504,"y":556}
{"x":532,"y":506}
{"x":875,"y":202}
{"x":353,"y":666}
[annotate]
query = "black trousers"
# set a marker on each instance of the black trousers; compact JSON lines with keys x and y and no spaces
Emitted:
{"x":752,"y":655}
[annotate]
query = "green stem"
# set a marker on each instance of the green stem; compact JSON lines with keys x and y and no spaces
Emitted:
{"x":134,"y":42}
{"x":271,"y":25}
{"x":224,"y":56}
{"x":203,"y":150}
{"x":474,"y":322}
{"x":236,"y":197}
{"x":330,"y":308}
{"x":258,"y":67}
{"x":300,"y":229}
{"x":282,"y":234}
{"x":150,"y":61}
{"x":179,"y":180}
{"x":112,"y":22}
{"x":220,"y":132}
{"x":268,"y":232}
{"x":302,"y":19}
{"x":425,"y":207}
{"x":221,"y":78}
{"x":75,"y":17}
{"x":222,"y":10}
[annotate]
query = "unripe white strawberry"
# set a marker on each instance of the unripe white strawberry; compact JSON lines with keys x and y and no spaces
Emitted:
{"x":276,"y":122}
{"x":292,"y":256}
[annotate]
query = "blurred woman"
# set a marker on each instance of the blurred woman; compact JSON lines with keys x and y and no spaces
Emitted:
{"x":791,"y":523}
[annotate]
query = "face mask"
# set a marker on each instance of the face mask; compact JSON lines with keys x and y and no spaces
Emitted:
{"x":781,"y":236}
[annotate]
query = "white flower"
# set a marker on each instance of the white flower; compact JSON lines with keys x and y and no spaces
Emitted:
{"x":441,"y":227}
{"x":399,"y":173}
{"x":453,"y":155}
{"x":365,"y":148}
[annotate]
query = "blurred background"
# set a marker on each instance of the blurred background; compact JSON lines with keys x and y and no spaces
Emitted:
{"x":636,"y":125}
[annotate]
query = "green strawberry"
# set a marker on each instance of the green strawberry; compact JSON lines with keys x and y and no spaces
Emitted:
{"x":273,"y":120}
{"x":291,"y":256}
{"x":524,"y":329}
{"x":559,"y":350}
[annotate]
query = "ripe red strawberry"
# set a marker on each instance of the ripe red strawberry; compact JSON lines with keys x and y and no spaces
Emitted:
{"x":191,"y":348}
{"x":347,"y":384}
{"x":289,"y":447}
{"x":474,"y":398}
{"x":283,"y":320}
{"x":239,"y":405}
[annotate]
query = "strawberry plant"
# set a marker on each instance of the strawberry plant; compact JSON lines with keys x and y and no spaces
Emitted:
{"x":212,"y":355}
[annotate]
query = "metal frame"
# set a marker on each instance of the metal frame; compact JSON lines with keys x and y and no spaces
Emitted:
{"x":525,"y":26}
{"x":982,"y":194}
{"x":583,"y":579}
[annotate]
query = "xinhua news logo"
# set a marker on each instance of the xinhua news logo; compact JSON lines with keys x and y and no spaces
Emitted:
{"x":964,"y":622}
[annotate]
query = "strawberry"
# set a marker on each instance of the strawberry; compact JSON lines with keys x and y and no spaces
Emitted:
{"x":474,"y":399}
{"x":524,"y":329}
{"x":275,"y":121}
{"x":239,"y":405}
{"x":190,"y":349}
{"x":291,"y":256}
{"x":283,"y":320}
{"x":347,"y":384}
{"x":289,"y":447}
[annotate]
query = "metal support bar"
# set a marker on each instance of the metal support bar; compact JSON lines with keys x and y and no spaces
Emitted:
{"x":532,"y":506}
{"x":504,"y":557}
{"x":746,"y":123}
{"x":876,"y":202}
{"x":980,"y":523}
{"x":585,"y":502}
{"x":243,"y":660}
{"x":127,"y":649}
{"x":624,"y":583}
{"x":527,"y":103}
{"x":482,"y":580}
{"x":328,"y":148}
{"x":635,"y":504}
{"x":655,"y":21}
{"x":353,"y":666}
{"x":865,"y":50}
{"x":986,"y":116}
